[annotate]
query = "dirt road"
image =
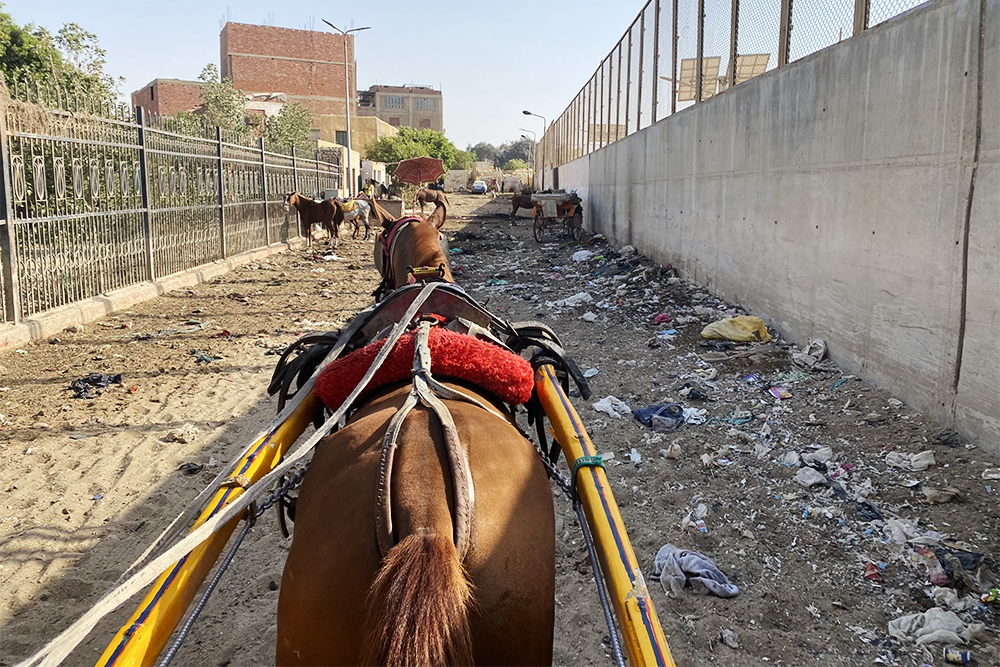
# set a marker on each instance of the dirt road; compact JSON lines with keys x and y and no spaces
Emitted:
{"x":88,"y":482}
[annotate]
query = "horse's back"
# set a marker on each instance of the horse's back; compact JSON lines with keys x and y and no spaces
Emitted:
{"x":334,"y":558}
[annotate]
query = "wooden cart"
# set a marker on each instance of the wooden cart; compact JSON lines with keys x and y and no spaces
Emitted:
{"x":557,"y":208}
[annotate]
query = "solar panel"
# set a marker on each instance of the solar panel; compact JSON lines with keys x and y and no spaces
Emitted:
{"x":748,"y":65}
{"x":686,"y":82}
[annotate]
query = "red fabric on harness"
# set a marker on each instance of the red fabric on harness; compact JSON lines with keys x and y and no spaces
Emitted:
{"x":453,"y":355}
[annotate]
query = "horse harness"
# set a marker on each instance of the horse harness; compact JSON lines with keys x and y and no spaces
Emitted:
{"x":384,"y":246}
{"x":466,"y":316}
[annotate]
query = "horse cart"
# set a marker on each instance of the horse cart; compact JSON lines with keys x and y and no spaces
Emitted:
{"x":559,"y":208}
{"x":273,"y":464}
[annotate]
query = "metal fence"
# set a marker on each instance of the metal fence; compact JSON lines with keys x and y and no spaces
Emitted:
{"x":95,"y":198}
{"x":677,"y":53}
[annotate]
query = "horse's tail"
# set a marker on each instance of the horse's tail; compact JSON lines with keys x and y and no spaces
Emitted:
{"x":418,"y":606}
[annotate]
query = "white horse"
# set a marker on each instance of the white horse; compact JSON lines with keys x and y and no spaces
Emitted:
{"x":362,"y":210}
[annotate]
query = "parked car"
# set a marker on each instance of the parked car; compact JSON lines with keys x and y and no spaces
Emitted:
{"x":479,"y":188}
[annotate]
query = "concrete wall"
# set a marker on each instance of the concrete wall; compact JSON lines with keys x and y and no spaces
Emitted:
{"x":832,"y":197}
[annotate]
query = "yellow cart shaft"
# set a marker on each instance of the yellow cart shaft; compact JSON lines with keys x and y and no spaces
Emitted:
{"x":642,"y":634}
{"x":147,"y":631}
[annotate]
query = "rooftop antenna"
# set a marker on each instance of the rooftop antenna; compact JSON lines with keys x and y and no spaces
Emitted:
{"x":310,"y":23}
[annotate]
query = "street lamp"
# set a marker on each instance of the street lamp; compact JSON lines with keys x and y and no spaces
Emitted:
{"x":545,"y":127}
{"x":347,"y":98}
{"x":533,"y":142}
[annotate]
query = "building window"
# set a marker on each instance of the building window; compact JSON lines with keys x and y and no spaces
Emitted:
{"x":152,"y":93}
{"x":392,"y":102}
{"x":341,"y":138}
{"x":425,"y":103}
{"x":393,"y":121}
{"x":425,"y":122}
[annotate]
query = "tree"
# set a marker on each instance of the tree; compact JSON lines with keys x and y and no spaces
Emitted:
{"x":485,"y":152}
{"x":464,"y":160}
{"x":409,"y":143}
{"x":290,"y":127}
{"x":72,"y":60}
{"x":512,"y":165}
{"x":515,"y":150}
{"x":224,"y":106}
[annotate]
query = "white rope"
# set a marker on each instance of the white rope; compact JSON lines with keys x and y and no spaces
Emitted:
{"x":60,"y":647}
{"x":187,"y":515}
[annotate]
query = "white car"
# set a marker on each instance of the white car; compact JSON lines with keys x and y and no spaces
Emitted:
{"x":479,"y":188}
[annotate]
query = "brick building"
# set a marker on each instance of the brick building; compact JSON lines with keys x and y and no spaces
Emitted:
{"x":420,"y":107}
{"x":166,"y":97}
{"x":307,"y":66}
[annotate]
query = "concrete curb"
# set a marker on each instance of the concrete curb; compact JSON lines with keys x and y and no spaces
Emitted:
{"x":89,"y":310}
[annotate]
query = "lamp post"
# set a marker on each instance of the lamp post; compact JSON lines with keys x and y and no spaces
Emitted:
{"x":545,"y":127}
{"x":347,"y":98}
{"x":532,"y":156}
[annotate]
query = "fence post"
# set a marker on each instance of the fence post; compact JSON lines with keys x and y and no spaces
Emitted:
{"x":642,"y":57}
{"x":733,"y":30}
{"x":673,"y":61}
{"x":295,"y":187}
{"x":785,"y":32}
{"x":221,"y":192}
{"x":698,"y":74}
{"x":860,"y":16}
{"x":319,"y":193}
{"x":263,"y":190}
{"x":656,"y":60}
{"x":8,"y":237}
{"x":147,"y":225}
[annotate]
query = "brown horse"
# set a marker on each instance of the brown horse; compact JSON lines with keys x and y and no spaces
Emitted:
{"x":344,"y":601}
{"x":520,"y":200}
{"x":427,"y":196}
{"x":310,"y":211}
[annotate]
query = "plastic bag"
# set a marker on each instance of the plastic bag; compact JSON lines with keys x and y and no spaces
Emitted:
{"x":744,"y":328}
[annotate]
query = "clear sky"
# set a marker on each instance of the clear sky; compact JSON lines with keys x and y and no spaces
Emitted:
{"x":491,"y":60}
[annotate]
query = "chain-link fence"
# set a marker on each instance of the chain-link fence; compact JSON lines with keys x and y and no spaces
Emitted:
{"x":677,"y":53}
{"x":94,"y":199}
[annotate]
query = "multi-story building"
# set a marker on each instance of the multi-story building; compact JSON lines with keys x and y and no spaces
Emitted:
{"x":167,"y":97}
{"x":306,"y":66}
{"x":420,"y":107}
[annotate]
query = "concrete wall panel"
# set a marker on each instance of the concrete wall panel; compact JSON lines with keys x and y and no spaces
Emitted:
{"x":831,"y":197}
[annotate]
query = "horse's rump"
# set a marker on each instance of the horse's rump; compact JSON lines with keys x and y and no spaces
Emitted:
{"x":334,"y":562}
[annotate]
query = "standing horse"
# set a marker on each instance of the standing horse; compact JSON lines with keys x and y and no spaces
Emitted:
{"x":311,"y":211}
{"x":427,"y":196}
{"x":520,"y":200}
{"x":362,"y":210}
{"x":353,"y":593}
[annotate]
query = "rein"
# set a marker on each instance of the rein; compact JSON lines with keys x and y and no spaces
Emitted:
{"x":59,"y":648}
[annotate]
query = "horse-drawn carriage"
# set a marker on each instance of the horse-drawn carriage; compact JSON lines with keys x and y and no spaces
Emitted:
{"x":409,"y":518}
{"x":558,"y":208}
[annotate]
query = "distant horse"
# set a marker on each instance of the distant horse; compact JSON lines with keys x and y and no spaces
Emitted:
{"x":363,"y":209}
{"x":312,"y":211}
{"x":427,"y":196}
{"x":520,"y":200}
{"x":366,"y":583}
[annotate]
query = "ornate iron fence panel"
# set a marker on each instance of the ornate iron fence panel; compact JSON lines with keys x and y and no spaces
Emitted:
{"x":279,"y":181}
{"x":183,"y":178}
{"x":243,"y":196}
{"x":93,"y":199}
{"x":76,"y":212}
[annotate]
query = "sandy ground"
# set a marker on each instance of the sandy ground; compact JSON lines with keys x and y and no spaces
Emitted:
{"x":87,"y":483}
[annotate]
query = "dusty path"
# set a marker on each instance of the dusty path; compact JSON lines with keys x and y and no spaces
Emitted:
{"x":87,"y":483}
